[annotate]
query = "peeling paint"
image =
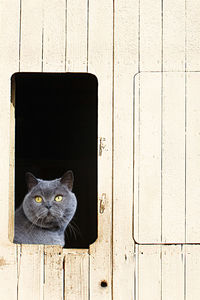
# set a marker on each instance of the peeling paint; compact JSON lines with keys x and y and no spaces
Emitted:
{"x":2,"y":262}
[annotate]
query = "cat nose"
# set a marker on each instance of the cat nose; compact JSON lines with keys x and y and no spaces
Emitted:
{"x":48,"y":205}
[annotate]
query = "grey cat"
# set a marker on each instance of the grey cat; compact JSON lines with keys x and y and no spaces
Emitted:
{"x":47,"y":209}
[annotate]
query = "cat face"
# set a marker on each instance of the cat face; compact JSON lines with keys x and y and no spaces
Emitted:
{"x":50,"y":203}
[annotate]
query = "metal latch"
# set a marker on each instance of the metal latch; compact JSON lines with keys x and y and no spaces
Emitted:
{"x":102,"y":203}
{"x":102,"y":145}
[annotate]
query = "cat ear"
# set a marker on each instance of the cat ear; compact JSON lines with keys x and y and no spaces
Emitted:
{"x":31,"y":180}
{"x":68,"y":179}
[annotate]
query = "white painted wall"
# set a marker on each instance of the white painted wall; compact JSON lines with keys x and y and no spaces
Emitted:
{"x":149,"y":168}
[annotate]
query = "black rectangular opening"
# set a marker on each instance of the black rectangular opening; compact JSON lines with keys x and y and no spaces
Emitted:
{"x":56,"y":131}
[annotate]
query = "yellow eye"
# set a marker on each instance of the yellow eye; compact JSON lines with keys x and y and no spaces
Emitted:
{"x":58,"y":198}
{"x":38,"y":199}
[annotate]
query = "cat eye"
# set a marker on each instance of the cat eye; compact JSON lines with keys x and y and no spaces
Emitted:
{"x":58,"y":198}
{"x":38,"y":199}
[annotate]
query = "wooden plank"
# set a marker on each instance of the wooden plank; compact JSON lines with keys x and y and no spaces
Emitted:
{"x":76,"y":276}
{"x":53,"y":273}
{"x":30,"y":272}
{"x":192,"y":35}
{"x":8,"y":271}
{"x":174,"y":35}
{"x":136,"y":150}
{"x":149,"y":277}
{"x":125,"y":66}
{"x":173,"y":158}
{"x":136,"y":272}
{"x":54,"y":36}
{"x":76,"y":261}
{"x":9,"y":56}
{"x":192,"y":273}
{"x":100,"y":55}
{"x":30,"y":257}
{"x":159,"y":197}
{"x":192,"y":158}
{"x":77,"y":28}
{"x":150,"y":33}
{"x":31,"y":39}
{"x":54,"y":43}
{"x":148,"y":189}
{"x":76,"y":268}
{"x":172,"y":272}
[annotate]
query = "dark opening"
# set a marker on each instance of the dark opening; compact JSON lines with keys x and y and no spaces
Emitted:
{"x":56,"y":131}
{"x":104,"y":284}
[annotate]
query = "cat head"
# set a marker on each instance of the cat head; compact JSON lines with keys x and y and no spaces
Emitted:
{"x":50,"y":203}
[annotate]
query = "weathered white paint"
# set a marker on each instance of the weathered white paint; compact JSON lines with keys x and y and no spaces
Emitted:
{"x":148,"y":188}
{"x":53,"y":276}
{"x":76,"y":36}
{"x":192,"y":158}
{"x":76,"y":262}
{"x":166,"y":178}
{"x":54,"y":35}
{"x":150,"y":35}
{"x":174,"y":35}
{"x":100,"y":63}
{"x":149,"y":272}
{"x":125,"y":66}
{"x":31,"y":36}
{"x":173,"y":272}
{"x":30,"y":272}
{"x":173,"y":158}
{"x":192,"y":33}
{"x":76,"y":269}
{"x":114,"y":40}
{"x":9,"y":55}
{"x":30,"y":258}
{"x":192,"y":272}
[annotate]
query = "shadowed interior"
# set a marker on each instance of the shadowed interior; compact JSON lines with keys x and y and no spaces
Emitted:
{"x":56,"y":131}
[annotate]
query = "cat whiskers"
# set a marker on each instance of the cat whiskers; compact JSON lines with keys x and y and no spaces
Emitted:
{"x":35,"y":223}
{"x":74,"y":230}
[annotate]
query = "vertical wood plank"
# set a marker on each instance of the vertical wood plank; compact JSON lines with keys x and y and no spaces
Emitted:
{"x":148,"y":189}
{"x":192,"y":289}
{"x":126,"y":25}
{"x":149,"y":277}
{"x":76,"y":266}
{"x":174,"y":35}
{"x":100,"y":57}
{"x":30,"y":272}
{"x":173,"y":158}
{"x":54,"y":36}
{"x":192,"y":158}
{"x":53,"y":273}
{"x":30,"y":257}
{"x":76,"y":269}
{"x":77,"y":28}
{"x":9,"y":62}
{"x":192,"y":35}
{"x":172,"y":272}
{"x":8,"y":271}
{"x":136,"y":161}
{"x":31,"y":40}
{"x":150,"y":35}
{"x":53,"y":54}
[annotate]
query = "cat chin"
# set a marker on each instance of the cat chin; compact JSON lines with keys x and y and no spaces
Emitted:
{"x":49,"y":222}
